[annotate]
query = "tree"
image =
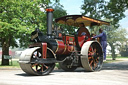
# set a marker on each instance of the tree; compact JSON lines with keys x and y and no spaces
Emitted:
{"x":18,"y":18}
{"x":115,"y":37}
{"x":59,"y":12}
{"x":112,"y":10}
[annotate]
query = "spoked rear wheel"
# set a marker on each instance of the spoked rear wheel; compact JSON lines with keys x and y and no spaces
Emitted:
{"x":92,"y":56}
{"x":36,"y":68}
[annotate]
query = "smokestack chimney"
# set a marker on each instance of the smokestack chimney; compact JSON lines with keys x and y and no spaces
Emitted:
{"x":49,"y":21}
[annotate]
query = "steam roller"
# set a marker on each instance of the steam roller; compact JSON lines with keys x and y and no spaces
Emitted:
{"x":70,"y":51}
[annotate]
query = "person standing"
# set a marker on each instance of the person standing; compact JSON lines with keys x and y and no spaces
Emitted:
{"x":103,"y":41}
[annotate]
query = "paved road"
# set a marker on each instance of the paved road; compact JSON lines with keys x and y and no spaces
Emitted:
{"x":111,"y":74}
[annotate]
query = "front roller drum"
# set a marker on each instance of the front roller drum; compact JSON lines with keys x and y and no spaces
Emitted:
{"x":36,"y":68}
{"x":92,"y":56}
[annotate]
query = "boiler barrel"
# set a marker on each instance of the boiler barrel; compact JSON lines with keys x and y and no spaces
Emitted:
{"x":60,"y":48}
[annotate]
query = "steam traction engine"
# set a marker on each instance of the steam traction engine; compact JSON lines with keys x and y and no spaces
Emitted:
{"x":70,"y":51}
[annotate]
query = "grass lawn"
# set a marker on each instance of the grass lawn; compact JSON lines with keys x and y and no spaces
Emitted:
{"x":109,"y":60}
{"x":15,"y":64}
{"x":117,"y":57}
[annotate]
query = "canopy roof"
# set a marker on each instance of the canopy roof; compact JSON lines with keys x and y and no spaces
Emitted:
{"x":75,"y":20}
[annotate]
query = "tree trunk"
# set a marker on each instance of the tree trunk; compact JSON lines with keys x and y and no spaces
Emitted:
{"x":113,"y":54}
{"x":5,"y":51}
{"x":112,"y":51}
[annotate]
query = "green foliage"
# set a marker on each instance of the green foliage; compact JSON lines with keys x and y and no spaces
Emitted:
{"x":18,"y":18}
{"x":93,"y":8}
{"x":59,"y":12}
{"x":113,"y":9}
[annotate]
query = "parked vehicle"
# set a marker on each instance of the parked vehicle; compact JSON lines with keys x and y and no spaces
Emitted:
{"x":70,"y":51}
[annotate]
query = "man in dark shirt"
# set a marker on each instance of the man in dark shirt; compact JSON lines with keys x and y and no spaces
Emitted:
{"x":103,"y":41}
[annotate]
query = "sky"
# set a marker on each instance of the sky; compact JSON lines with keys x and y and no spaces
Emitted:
{"x":74,"y":7}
